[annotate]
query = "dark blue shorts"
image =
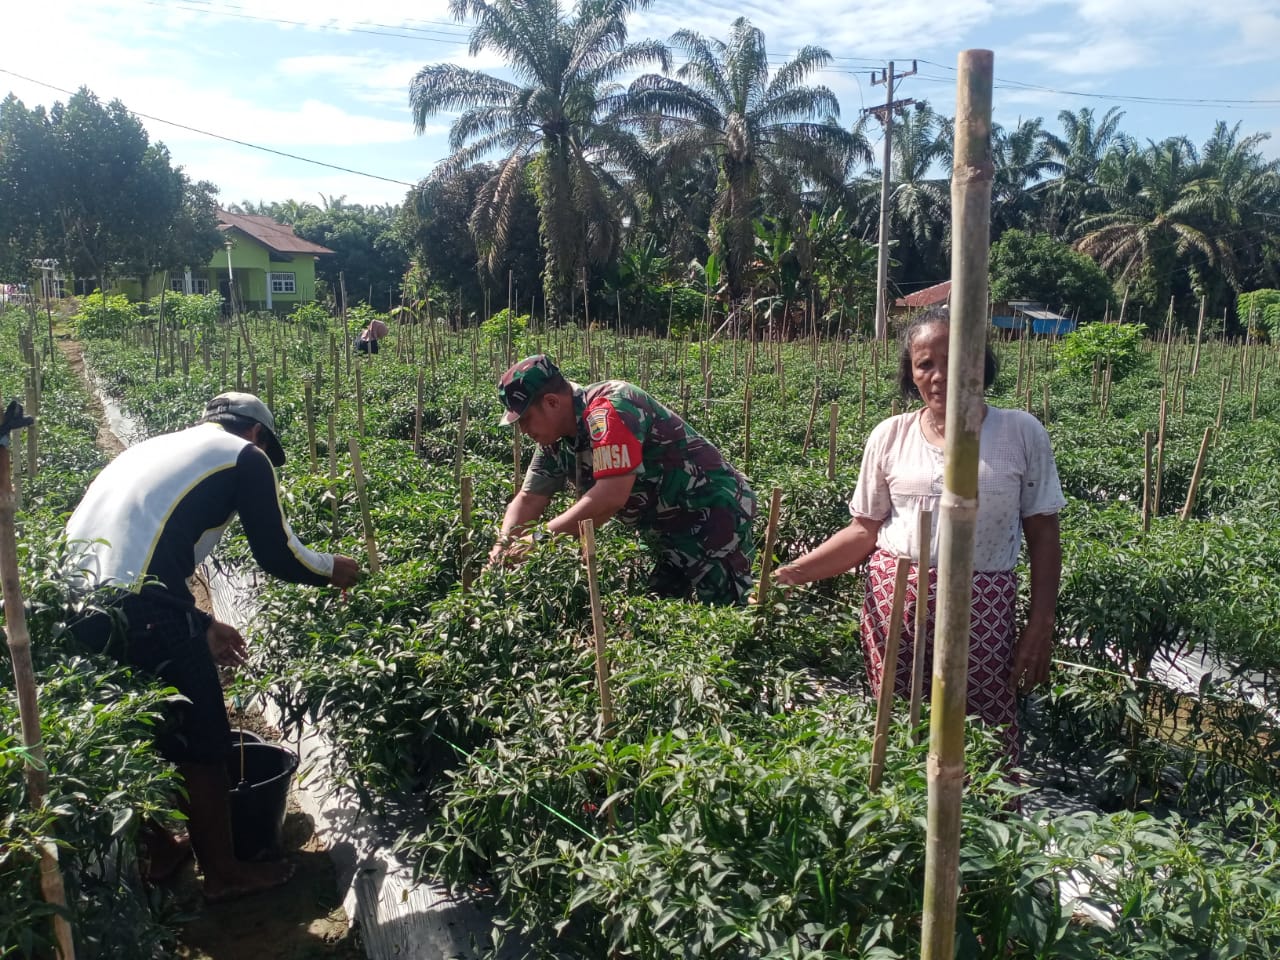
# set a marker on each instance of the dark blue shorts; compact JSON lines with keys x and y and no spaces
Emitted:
{"x":168,"y":640}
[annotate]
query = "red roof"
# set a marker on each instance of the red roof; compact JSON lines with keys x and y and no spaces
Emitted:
{"x":928,"y":297}
{"x":275,"y":236}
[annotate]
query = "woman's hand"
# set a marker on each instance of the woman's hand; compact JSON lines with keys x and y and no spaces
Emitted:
{"x":1032,"y":654}
{"x":789,"y":575}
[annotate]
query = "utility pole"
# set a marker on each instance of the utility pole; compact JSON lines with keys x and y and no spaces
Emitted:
{"x":885,"y":115}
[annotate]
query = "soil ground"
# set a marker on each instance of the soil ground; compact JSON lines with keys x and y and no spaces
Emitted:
{"x":304,"y":919}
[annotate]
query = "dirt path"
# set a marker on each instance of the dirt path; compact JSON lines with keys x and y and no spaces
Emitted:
{"x":302,"y":920}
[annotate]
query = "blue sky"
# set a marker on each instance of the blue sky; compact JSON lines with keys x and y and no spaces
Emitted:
{"x":333,"y":85}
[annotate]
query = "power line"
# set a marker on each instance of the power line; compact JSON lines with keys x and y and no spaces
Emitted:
{"x":1006,"y":83}
{"x":219,"y":136}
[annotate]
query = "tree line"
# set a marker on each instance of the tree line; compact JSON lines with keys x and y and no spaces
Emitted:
{"x":83,"y":184}
{"x":713,"y":175}
{"x":727,"y":161}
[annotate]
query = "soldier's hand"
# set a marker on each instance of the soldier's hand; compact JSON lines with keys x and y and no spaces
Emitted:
{"x":509,"y":551}
{"x":346,"y":572}
{"x":225,"y":644}
{"x":499,"y":548}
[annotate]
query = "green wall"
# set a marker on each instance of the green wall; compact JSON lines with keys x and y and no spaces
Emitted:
{"x":250,"y":264}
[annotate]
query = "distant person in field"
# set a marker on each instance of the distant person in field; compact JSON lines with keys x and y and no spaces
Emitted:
{"x":367,"y":340}
{"x":145,"y":523}
{"x":631,"y":458}
{"x":1019,"y":496}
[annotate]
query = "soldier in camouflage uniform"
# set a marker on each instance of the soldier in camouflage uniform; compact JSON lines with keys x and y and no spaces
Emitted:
{"x":630,"y":457}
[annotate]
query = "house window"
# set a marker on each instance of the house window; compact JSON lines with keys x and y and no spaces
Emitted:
{"x":198,"y":285}
{"x":283,"y":283}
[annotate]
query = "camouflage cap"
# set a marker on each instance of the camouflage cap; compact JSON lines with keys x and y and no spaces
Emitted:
{"x":524,"y":382}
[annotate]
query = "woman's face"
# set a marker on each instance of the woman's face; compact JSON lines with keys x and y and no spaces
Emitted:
{"x":929,"y":366}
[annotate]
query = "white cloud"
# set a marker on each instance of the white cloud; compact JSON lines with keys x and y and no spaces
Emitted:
{"x":1082,"y":56}
{"x":874,"y":28}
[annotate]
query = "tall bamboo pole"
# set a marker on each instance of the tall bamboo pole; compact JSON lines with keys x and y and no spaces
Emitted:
{"x":370,"y":543}
{"x":1195,"y":476}
{"x":587,"y":531}
{"x":970,"y":228}
{"x":889,"y":673}
{"x":468,"y":496}
{"x":925,"y":537}
{"x":1147,"y":440}
{"x":770,"y":541}
{"x":19,"y":641}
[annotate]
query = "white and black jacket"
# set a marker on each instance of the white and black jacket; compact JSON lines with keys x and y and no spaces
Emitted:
{"x":157,"y":510}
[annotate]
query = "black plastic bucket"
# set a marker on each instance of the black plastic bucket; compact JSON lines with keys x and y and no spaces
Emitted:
{"x":258,"y":807}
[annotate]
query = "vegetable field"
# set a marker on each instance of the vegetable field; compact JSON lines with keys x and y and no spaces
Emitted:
{"x":725,"y":813}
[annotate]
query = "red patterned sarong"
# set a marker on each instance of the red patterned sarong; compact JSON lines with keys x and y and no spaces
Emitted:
{"x":992,"y":635}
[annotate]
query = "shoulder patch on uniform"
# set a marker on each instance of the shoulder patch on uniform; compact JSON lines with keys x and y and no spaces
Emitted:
{"x":598,"y":423}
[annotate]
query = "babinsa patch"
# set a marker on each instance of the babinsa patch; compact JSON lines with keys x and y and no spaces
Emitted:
{"x":598,"y":423}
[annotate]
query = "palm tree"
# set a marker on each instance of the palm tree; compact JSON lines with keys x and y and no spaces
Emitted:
{"x":1074,"y":160}
{"x":558,"y":124}
{"x":1021,"y":156}
{"x":919,"y":199}
{"x":1162,"y":219}
{"x":768,"y":135}
{"x":1247,"y":189}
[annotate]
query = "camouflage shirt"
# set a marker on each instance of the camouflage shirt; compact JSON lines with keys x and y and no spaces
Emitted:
{"x":621,"y":430}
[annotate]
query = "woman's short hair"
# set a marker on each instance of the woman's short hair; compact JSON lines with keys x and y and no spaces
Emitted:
{"x":941,"y":316}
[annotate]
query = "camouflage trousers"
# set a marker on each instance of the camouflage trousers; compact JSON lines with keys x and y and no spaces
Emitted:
{"x":712,"y":559}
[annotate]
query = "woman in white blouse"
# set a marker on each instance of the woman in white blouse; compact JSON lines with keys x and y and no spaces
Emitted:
{"x":1018,"y":495}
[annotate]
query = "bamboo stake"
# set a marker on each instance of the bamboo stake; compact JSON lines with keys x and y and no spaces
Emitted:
{"x":371,"y":544}
{"x":889,"y":673}
{"x":333,"y":448}
{"x":1195,"y":476}
{"x":586,"y":529}
{"x":1222,"y":403}
{"x":33,"y":435}
{"x":333,"y":478}
{"x":770,"y":541}
{"x":1195,"y":357}
{"x":311,"y":427}
{"x":359,"y":403}
{"x":467,"y":497}
{"x":19,"y":641}
{"x":1159,"y":480}
{"x":1146,"y":481}
{"x":831,"y":442}
{"x":813,"y":413}
{"x":417,"y":417}
{"x":970,"y":211}
{"x":460,"y":452}
{"x":924,"y":535}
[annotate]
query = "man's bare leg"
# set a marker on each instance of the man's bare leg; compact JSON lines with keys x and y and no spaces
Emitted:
{"x":209,"y":814}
